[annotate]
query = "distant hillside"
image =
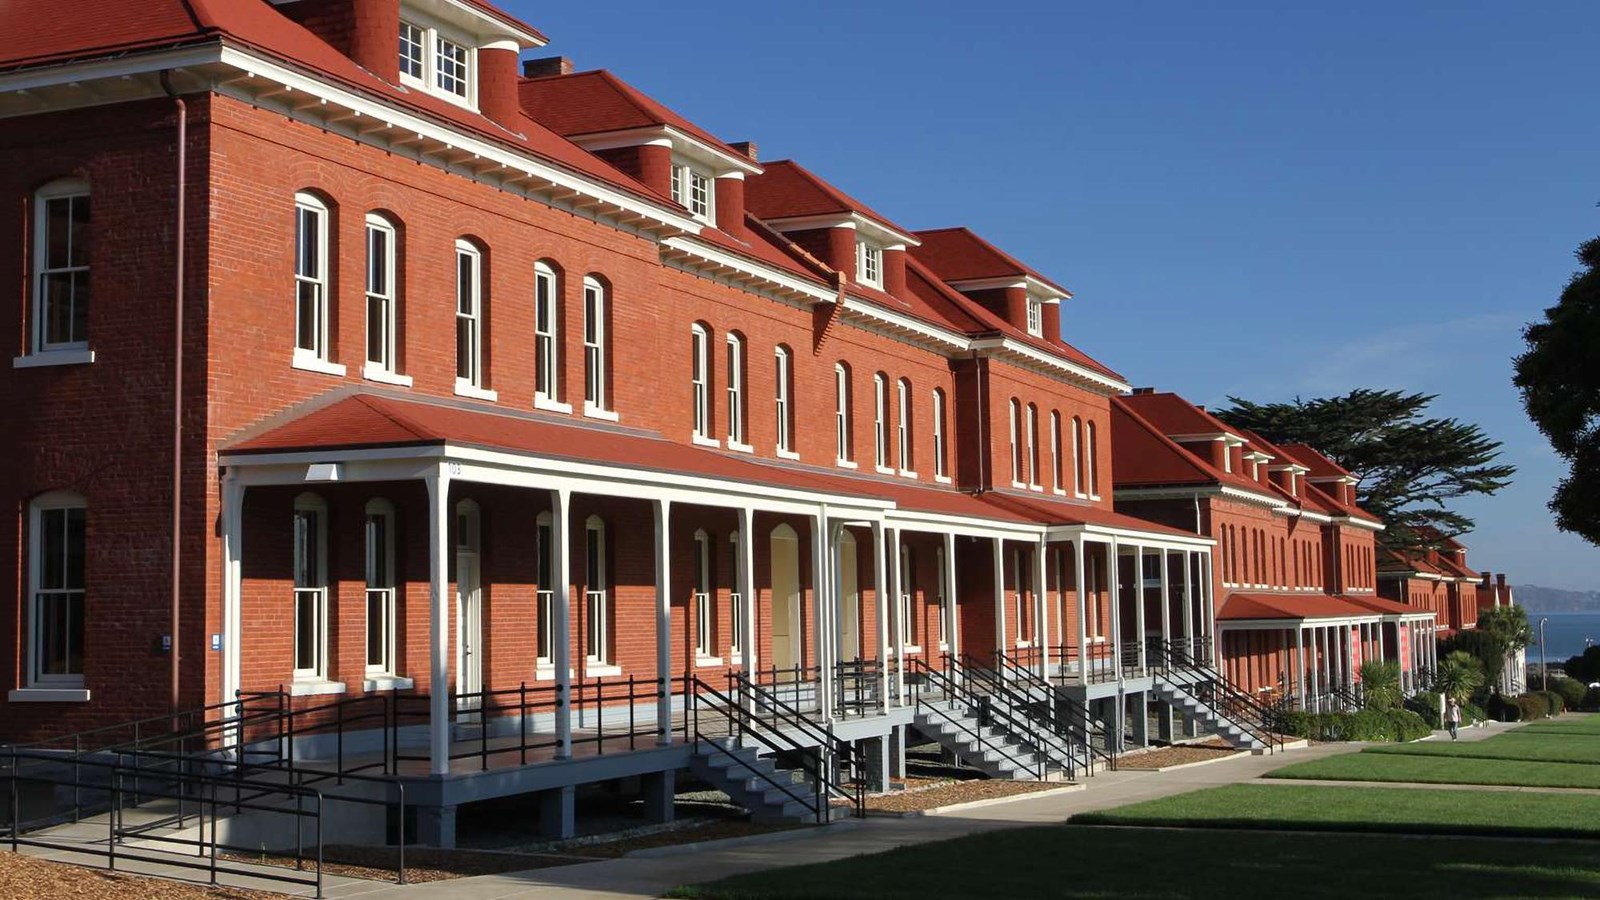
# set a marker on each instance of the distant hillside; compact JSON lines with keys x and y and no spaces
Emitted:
{"x":1554,"y":600}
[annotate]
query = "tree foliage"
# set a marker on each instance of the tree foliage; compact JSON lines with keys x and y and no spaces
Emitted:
{"x":1459,"y":675}
{"x":1380,"y":684}
{"x":1487,"y":648}
{"x":1410,"y":465}
{"x":1509,"y":625}
{"x":1560,"y":383}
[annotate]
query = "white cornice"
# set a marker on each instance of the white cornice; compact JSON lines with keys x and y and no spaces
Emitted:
{"x":905,"y":327}
{"x":1180,"y":492}
{"x":681,"y":142}
{"x":709,"y":261}
{"x":1037,"y":288}
{"x":1354,"y":522}
{"x":1059,"y":367}
{"x":870,"y":228}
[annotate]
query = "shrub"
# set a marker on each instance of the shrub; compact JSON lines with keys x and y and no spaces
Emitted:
{"x":1301,"y":724}
{"x":1366,"y":725}
{"x":1553,"y":700}
{"x":1380,"y":684}
{"x":1407,"y":725}
{"x":1591,"y":698}
{"x":1572,"y":691}
{"x":1426,"y":705}
{"x":1501,"y":709}
{"x":1470,"y":714}
{"x":1533,"y":706}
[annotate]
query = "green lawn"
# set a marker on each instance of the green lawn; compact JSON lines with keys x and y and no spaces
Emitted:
{"x":1513,"y":745}
{"x":1589,"y":724}
{"x":1424,"y":769}
{"x":1076,"y":862}
{"x":1404,"y":810}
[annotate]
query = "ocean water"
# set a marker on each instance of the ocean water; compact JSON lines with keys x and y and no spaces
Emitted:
{"x":1565,"y":634}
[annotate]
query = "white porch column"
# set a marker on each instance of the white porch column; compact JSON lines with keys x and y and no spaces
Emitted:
{"x":1351,"y":636}
{"x":1083,"y":610}
{"x":747,"y":590}
{"x":999,"y":595}
{"x":1138,"y":607}
{"x":232,"y":569}
{"x":1166,"y":601}
{"x":1116,"y":610}
{"x":663,"y":545}
{"x":952,"y":633}
{"x":822,"y":607}
{"x":1041,"y":618}
{"x":1300,"y":664}
{"x":1189,"y":562}
{"x":896,"y":605}
{"x":880,"y":588}
{"x":438,"y":484}
{"x":561,"y":608}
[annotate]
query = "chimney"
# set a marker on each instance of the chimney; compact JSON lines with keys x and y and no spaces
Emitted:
{"x":1050,"y":317}
{"x":1138,"y":391}
{"x":374,"y":37}
{"x":1500,"y":579}
{"x":730,"y":203}
{"x":894,"y":271}
{"x":748,"y":148}
{"x":497,"y":83}
{"x":546,"y":65}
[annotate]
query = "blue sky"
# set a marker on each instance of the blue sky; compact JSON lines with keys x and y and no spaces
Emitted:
{"x":1261,"y":199}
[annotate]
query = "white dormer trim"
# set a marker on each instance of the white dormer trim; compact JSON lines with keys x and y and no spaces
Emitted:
{"x":871,"y":229}
{"x":722,"y":162}
{"x":1037,"y":288}
{"x":481,"y":23}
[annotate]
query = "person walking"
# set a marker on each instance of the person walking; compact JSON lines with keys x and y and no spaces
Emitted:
{"x":1452,"y":717}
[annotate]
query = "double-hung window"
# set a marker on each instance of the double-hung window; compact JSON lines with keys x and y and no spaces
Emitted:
{"x":1077,"y":457}
{"x":310,"y":589}
{"x":545,"y":576}
{"x":880,"y":421}
{"x":1092,"y":455}
{"x":1035,"y":317}
{"x":735,"y":379}
{"x":1016,"y":443}
{"x":597,"y":605}
{"x":380,"y":588}
{"x":546,"y":349}
{"x":941,"y":466}
{"x":61,"y":247}
{"x":843,"y":451}
{"x":694,"y":189}
{"x":437,"y":62}
{"x":56,"y":615}
{"x":469,"y":318}
{"x":783,"y":387}
{"x":908,"y":601}
{"x":869,"y":264}
{"x":595,"y":389}
{"x":705,"y":623}
{"x":311,"y":279}
{"x":903,"y":426}
{"x":1033,"y":446}
{"x":382,"y":300}
{"x":1055,"y":452}
{"x":700,"y":381}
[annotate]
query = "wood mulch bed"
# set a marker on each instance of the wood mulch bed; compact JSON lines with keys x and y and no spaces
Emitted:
{"x":24,"y":876}
{"x":1181,"y":754}
{"x":423,"y":864}
{"x":953,"y":792}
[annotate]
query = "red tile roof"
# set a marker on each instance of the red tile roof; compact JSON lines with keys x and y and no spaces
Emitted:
{"x":1061,"y":512}
{"x":1320,"y":466}
{"x":788,"y":190}
{"x":1144,"y":455}
{"x":593,"y":102}
{"x":1290,"y":606}
{"x":1176,"y":416}
{"x":958,"y":254}
{"x":1381,"y":605}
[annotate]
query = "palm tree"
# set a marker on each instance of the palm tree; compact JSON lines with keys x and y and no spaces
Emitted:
{"x":1380,"y":684}
{"x":1458,"y":676}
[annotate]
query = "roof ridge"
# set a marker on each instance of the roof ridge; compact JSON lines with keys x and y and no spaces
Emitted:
{"x":371,"y":401}
{"x":1120,"y":403}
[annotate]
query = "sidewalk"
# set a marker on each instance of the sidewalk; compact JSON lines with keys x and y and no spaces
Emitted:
{"x":641,"y":877}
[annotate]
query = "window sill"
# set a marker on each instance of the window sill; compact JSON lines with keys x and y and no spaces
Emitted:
{"x":703,"y":662}
{"x":883,"y":470}
{"x":740,"y":448}
{"x":912,"y":648}
{"x":907,"y":473}
{"x":1036,"y":488}
{"x":540,"y":401}
{"x":1019,"y":485}
{"x":53,"y":358}
{"x":48,"y":695}
{"x":1095,"y":497}
{"x":846,"y":464}
{"x":1080,"y":495}
{"x":386,"y":683}
{"x":788,"y":454}
{"x":306,"y":361}
{"x":466,"y":388}
{"x":315,"y":687}
{"x":943,"y":479}
{"x":701,"y":440}
{"x":601,"y":670}
{"x":1058,"y":492}
{"x":605,"y":415}
{"x":374,"y":372}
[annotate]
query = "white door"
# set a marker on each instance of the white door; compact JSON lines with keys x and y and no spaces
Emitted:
{"x":785,"y":618}
{"x":849,"y":600}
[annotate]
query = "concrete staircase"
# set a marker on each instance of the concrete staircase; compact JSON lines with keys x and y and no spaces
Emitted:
{"x":988,"y":749}
{"x":772,"y":795}
{"x":1178,"y":693}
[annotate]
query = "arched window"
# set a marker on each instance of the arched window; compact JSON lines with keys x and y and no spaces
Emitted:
{"x":1033,"y":446}
{"x":57,"y":548}
{"x":597,"y":599}
{"x":1055,"y":453}
{"x":383,"y":300}
{"x":311,"y":255}
{"x":844,"y":450}
{"x":903,"y":427}
{"x":783,"y":393}
{"x":880,"y":421}
{"x":546,"y":334}
{"x":310,"y":588}
{"x":700,"y":380}
{"x":1091,"y":451}
{"x":1015,"y":409}
{"x":61,"y":245}
{"x":545,"y":576}
{"x":380,"y":588}
{"x":941,"y":460}
{"x":596,"y":323}
{"x":1077,"y":457}
{"x":469,"y":318}
{"x":735,"y":379}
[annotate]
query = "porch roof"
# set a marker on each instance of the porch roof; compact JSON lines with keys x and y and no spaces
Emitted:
{"x":1291,"y":606}
{"x":1387,"y":607}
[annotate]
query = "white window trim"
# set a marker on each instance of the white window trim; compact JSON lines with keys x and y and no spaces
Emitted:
{"x":471,"y":391}
{"x":388,"y":369}
{"x":385,"y":510}
{"x":474,"y":379}
{"x":52,"y":358}
{"x":700,"y":386}
{"x":599,"y":664}
{"x":1092,"y":470}
{"x":684,"y":174}
{"x":73,"y":351}
{"x":704,"y":593}
{"x":596,"y":390}
{"x":1014,"y":409}
{"x":1035,"y":317}
{"x":865,"y":252}
{"x":372,"y":371}
{"x":783,"y":371}
{"x":734,"y":378}
{"x":844,"y":446}
{"x":548,"y":364}
{"x":432,"y":31}
{"x":1055,"y":454}
{"x":34,"y":679}
{"x":1032,"y":438}
{"x":880,"y":423}
{"x":903,"y":427}
{"x":941,"y":471}
{"x":1077,"y":459}
{"x":318,"y":358}
{"x":317,"y":676}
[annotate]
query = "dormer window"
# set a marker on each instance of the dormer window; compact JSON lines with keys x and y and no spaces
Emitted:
{"x":869,"y":264}
{"x":436,"y":62}
{"x":1035,"y":317}
{"x":692,"y":187}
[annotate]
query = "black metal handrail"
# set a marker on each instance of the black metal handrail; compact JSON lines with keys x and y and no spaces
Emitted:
{"x":1041,"y":731}
{"x":953,"y":684}
{"x":1077,"y":725}
{"x":856,"y":687}
{"x":838,"y":753}
{"x":1214,"y":690}
{"x":1096,"y":667}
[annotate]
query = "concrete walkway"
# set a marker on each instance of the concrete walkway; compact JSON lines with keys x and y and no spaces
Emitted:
{"x":650,"y":877}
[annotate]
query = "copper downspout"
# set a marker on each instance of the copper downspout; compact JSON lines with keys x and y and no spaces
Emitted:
{"x":177,"y":385}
